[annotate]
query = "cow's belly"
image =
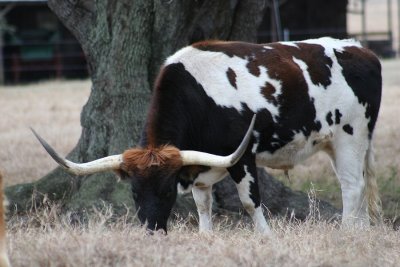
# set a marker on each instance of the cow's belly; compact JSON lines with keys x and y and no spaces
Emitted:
{"x":204,"y":180}
{"x":210,"y":177}
{"x":295,"y":152}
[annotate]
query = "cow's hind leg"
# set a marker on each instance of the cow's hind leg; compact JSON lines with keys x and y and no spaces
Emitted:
{"x":348,"y":161}
{"x":246,"y":179}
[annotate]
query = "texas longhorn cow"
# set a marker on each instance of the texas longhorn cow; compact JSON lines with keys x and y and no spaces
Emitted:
{"x":314,"y":95}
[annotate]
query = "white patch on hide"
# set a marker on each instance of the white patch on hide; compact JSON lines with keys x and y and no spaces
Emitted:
{"x":210,"y":177}
{"x":290,"y":44}
{"x":256,"y":143}
{"x":267,"y":47}
{"x":331,"y":44}
{"x":209,"y":69}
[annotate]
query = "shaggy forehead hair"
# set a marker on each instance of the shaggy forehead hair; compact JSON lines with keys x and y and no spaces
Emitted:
{"x":142,"y":161}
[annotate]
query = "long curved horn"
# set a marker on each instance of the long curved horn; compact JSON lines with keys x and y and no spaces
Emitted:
{"x":190,"y":157}
{"x":100,"y":165}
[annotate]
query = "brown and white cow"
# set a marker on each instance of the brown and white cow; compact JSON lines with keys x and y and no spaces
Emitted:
{"x":314,"y":95}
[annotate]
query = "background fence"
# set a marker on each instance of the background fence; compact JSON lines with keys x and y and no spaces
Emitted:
{"x":35,"y":45}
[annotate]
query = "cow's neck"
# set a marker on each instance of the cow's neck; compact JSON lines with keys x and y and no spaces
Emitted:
{"x":177,"y":110}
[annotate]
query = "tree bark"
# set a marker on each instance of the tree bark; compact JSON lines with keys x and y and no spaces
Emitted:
{"x":125,"y":42}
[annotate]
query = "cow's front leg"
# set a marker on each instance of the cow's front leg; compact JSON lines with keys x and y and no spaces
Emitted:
{"x":246,"y":179}
{"x":203,"y":198}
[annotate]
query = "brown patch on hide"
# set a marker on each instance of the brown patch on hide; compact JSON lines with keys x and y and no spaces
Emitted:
{"x":203,"y":45}
{"x":200,"y":185}
{"x":142,"y":161}
{"x":231,"y":77}
{"x":253,"y":67}
{"x":318,"y":63}
{"x":276,"y":60}
{"x":268,"y":90}
{"x":231,"y":49}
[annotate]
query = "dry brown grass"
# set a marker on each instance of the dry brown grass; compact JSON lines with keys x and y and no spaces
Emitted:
{"x":53,"y":109}
{"x":47,"y":239}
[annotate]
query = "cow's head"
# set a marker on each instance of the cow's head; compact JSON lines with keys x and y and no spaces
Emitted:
{"x":152,"y":172}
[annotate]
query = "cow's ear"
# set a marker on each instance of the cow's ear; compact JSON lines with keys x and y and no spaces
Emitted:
{"x":122,"y":173}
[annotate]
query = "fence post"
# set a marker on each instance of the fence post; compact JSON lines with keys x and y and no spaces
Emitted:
{"x":277,"y":17}
{"x":398,"y":28}
{"x":363,"y":24}
{"x":390,"y":28}
{"x":286,"y":34}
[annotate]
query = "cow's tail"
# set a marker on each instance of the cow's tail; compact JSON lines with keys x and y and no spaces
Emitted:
{"x":371,"y":187}
{"x":4,"y":261}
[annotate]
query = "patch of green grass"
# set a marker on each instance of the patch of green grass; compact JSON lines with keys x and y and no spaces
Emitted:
{"x":389,"y":189}
{"x":326,"y":187}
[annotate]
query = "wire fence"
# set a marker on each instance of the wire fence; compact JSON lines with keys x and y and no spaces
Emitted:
{"x":28,"y":61}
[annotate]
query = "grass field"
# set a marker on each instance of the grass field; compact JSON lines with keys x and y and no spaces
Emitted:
{"x":46,"y":238}
{"x":57,"y":243}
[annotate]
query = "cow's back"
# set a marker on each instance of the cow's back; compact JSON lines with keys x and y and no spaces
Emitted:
{"x":301,"y":90}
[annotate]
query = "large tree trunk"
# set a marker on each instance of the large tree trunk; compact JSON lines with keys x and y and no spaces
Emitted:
{"x":125,"y":42}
